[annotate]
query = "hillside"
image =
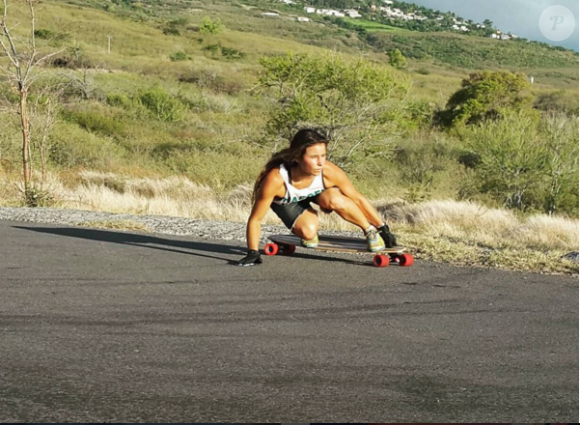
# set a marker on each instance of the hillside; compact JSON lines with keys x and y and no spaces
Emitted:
{"x":351,"y":35}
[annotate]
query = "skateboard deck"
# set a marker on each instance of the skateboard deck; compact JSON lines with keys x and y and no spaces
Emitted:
{"x":286,"y":245}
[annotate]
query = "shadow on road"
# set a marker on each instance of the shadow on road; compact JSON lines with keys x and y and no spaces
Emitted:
{"x":170,"y":245}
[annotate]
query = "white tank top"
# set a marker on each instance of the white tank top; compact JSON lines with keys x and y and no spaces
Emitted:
{"x":296,"y":195}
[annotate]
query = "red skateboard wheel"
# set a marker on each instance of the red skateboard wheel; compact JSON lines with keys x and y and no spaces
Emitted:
{"x":271,"y":249}
{"x":406,"y":260}
{"x":288,"y":249}
{"x":381,"y":260}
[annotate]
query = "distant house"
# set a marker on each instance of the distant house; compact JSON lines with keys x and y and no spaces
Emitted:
{"x":270,"y":14}
{"x":505,"y":37}
{"x":303,"y":19}
{"x":463,"y":28}
{"x":493,"y":36}
{"x":455,"y":27}
{"x":353,"y":13}
{"x":287,"y":1}
{"x":387,"y":2}
{"x":308,"y":9}
{"x":330,"y":12}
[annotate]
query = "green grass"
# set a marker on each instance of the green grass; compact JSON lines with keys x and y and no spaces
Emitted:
{"x":372,"y":26}
{"x":478,"y":53}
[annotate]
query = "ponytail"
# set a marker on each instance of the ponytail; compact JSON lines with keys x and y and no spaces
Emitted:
{"x":275,"y":161}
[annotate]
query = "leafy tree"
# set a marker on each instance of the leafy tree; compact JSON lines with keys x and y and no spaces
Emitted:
{"x":344,"y":99}
{"x":487,"y":95}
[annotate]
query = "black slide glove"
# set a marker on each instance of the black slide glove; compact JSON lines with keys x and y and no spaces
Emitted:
{"x":389,"y":239}
{"x":252,"y":258}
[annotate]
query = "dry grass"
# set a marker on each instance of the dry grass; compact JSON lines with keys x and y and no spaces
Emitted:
{"x":444,"y":230}
{"x":494,"y":228}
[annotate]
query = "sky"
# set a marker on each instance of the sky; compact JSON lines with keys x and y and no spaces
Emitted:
{"x":519,"y":17}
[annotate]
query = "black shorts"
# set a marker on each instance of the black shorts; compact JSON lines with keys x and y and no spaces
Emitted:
{"x":289,"y":213}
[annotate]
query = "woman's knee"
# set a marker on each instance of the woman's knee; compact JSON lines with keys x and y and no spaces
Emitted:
{"x":306,"y":232}
{"x":307,"y":225}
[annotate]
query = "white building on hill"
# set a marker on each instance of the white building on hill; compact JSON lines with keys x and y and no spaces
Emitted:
{"x":353,"y":13}
{"x":330,"y":12}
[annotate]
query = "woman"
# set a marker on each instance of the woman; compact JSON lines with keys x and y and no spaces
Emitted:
{"x":299,"y":175}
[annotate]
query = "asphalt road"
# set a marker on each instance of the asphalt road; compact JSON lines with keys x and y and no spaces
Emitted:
{"x":109,"y":326}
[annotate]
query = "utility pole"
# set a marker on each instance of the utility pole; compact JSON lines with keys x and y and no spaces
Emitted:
{"x":109,"y":49}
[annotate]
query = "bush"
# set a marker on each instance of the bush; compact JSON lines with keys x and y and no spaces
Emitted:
{"x":179,"y":56}
{"x":161,"y":104}
{"x":35,"y":197}
{"x":421,"y":160}
{"x":211,"y":27}
{"x":95,"y":121}
{"x":44,"y":34}
{"x":73,"y":147}
{"x":120,"y":100}
{"x":557,"y":101}
{"x":523,"y":165}
{"x":409,"y":117}
{"x":397,"y":59}
{"x":231,"y":53}
{"x":171,"y":31}
{"x":225,"y":52}
{"x":211,"y":80}
{"x":74,"y":57}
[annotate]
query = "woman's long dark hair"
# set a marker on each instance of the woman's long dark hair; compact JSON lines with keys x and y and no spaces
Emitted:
{"x":290,"y":156}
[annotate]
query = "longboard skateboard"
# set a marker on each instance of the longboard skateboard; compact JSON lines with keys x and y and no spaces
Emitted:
{"x":286,"y":245}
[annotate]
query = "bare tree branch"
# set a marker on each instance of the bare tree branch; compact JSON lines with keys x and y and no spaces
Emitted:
{"x":23,"y":76}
